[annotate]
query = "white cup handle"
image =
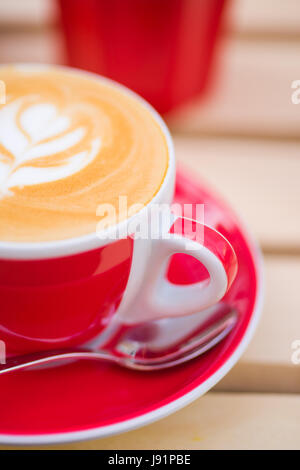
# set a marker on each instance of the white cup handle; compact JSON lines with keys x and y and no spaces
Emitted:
{"x":159,"y":298}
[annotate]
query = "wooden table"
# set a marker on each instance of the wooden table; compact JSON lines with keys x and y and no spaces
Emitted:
{"x":244,"y":140}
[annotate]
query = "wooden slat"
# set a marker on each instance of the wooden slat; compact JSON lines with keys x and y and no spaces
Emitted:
{"x":32,"y":46}
{"x":265,"y":17}
{"x":251,"y":95}
{"x":216,"y":421}
{"x":253,"y":17}
{"x":260,"y":179}
{"x":28,"y":13}
{"x":266,"y":366}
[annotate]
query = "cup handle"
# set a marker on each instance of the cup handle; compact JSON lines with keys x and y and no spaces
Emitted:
{"x":162,"y":299}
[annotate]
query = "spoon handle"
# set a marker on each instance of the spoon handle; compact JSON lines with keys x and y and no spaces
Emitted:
{"x":45,"y":357}
{"x":191,"y":348}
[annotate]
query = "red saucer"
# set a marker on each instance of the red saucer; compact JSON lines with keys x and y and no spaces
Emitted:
{"x":87,"y":400}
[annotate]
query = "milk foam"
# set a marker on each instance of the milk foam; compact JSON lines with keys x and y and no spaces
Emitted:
{"x":42,"y":132}
{"x":67,"y":144}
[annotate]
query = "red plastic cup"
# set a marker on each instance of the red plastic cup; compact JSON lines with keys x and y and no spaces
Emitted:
{"x":162,"y":49}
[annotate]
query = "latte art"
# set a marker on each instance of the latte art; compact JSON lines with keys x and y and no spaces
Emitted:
{"x":68,"y":143}
{"x":38,"y":145}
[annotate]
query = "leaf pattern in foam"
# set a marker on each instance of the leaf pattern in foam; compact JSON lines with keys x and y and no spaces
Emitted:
{"x":41,"y":132}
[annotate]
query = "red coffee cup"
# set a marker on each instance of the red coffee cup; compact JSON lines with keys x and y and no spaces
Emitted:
{"x":163,"y":50}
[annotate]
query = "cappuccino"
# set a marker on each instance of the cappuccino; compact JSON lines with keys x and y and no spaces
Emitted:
{"x":68,"y":143}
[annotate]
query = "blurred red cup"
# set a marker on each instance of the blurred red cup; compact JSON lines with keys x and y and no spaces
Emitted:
{"x":162,"y":49}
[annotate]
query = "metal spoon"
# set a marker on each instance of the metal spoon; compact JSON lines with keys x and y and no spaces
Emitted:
{"x":131,"y":349}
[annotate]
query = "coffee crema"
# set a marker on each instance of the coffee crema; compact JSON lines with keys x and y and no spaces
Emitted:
{"x":68,"y":143}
